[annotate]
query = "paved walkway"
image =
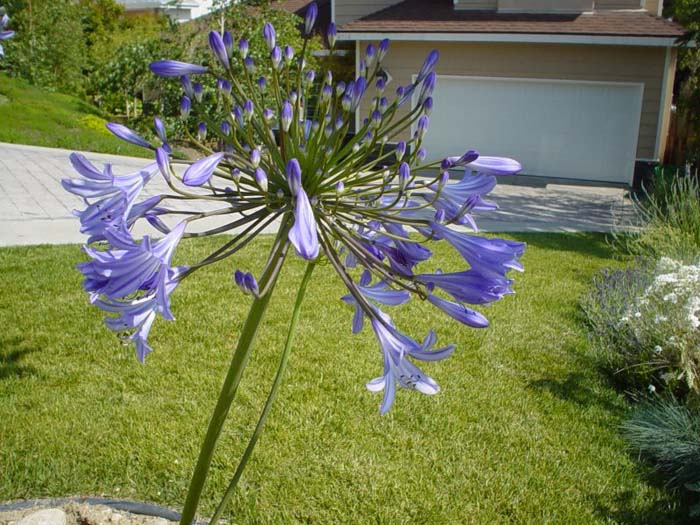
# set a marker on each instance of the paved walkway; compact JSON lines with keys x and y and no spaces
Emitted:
{"x":36,"y":209}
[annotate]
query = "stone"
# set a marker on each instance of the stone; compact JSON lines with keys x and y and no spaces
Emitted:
{"x":44,"y":517}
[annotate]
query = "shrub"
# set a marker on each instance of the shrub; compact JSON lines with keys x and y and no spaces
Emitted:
{"x":646,"y":325}
{"x":668,"y":434}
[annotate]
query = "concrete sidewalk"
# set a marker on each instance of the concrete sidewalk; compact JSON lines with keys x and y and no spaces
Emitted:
{"x":37,"y":210}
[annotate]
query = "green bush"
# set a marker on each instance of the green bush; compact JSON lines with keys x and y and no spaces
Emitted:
{"x":667,"y":433}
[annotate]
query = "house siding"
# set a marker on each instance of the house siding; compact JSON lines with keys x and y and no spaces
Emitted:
{"x":653,"y":6}
{"x":546,"y":61}
{"x":345,"y":11}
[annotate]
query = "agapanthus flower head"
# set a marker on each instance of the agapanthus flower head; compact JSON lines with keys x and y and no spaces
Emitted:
{"x":4,"y":33}
{"x":373,"y":200}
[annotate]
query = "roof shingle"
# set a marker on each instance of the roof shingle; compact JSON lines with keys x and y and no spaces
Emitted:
{"x":414,"y":16}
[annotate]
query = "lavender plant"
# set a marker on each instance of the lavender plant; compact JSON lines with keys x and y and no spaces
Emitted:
{"x":4,"y":32}
{"x":353,"y":201}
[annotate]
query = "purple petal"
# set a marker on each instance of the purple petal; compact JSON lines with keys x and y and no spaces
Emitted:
{"x":459,"y":312}
{"x":175,"y":68}
{"x":202,"y":170}
{"x":128,"y":134}
{"x":495,"y":166}
{"x":303,"y":234}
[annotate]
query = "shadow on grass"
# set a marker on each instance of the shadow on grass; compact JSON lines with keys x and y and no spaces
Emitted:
{"x":595,"y":244}
{"x":574,"y":388}
{"x":626,"y":510}
{"x":11,"y":355}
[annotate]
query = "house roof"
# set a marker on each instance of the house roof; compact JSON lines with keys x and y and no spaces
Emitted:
{"x":413,"y":16}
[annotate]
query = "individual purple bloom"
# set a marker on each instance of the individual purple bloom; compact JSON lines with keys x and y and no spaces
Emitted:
{"x":303,"y":234}
{"x":489,"y":257}
{"x":403,"y":256}
{"x":331,"y":34}
{"x":187,"y":86}
{"x":400,"y":150}
{"x":469,"y":286}
{"x":310,"y":18}
{"x":175,"y":68}
{"x":185,"y":107}
{"x":219,"y":48}
{"x":202,"y":170}
{"x":293,"y":174}
{"x":309,"y":77}
{"x":404,"y":175}
{"x":422,"y":126}
{"x":115,"y":211}
{"x":427,"y":87}
{"x":198,"y":91}
{"x":128,"y":134}
{"x":370,"y":53}
{"x":463,"y":197}
{"x":421,"y":154}
{"x":276,"y":57}
{"x":340,"y":187}
{"x":255,"y":157}
{"x":379,"y":293}
{"x":128,"y":267}
{"x":249,"y":64}
{"x":163,"y":162}
{"x":269,"y":35}
{"x":160,"y":130}
{"x":288,"y":54}
{"x":225,"y":127}
{"x":228,"y":42}
{"x":138,"y":315}
{"x":286,"y":116}
{"x":201,"y":131}
{"x":428,"y":106}
{"x":225,"y":87}
{"x":358,"y":91}
{"x":248,"y":109}
{"x":268,"y":114}
{"x":246,"y":282}
{"x":495,"y":166}
{"x":382,"y":49}
{"x":376,"y":118}
{"x":380,"y":85}
{"x":459,"y":312}
{"x":428,"y":66}
{"x":396,"y":349}
{"x":452,"y":162}
{"x":261,"y":179}
{"x":262,"y":83}
{"x":243,"y":48}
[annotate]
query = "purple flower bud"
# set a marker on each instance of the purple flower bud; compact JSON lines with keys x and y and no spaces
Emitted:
{"x":383,"y":48}
{"x":310,"y":18}
{"x":421,"y":154}
{"x":358,"y":92}
{"x":202,"y":131}
{"x":187,"y":86}
{"x":326,"y":92}
{"x":261,"y":179}
{"x":376,"y":118}
{"x":293,"y":97}
{"x":243,"y":48}
{"x":262,"y":83}
{"x":160,"y":130}
{"x":250,"y":283}
{"x":339,"y":88}
{"x":198,"y":91}
{"x":248,"y":109}
{"x":202,"y":170}
{"x":255,"y":157}
{"x":383,"y":103}
{"x":428,"y":66}
{"x":249,"y":64}
{"x":363,"y":68}
{"x":444,"y":178}
{"x":268,"y":114}
{"x":404,"y":175}
{"x":185,"y":107}
{"x":216,"y":43}
{"x":400,"y":91}
{"x":236,"y":175}
{"x":496,"y":166}
{"x":381,"y":84}
{"x":238,"y":277}
{"x":447,"y":163}
{"x":269,"y":35}
{"x":175,"y":68}
{"x":238,"y":116}
{"x":225,"y":87}
{"x":328,"y":131}
{"x":339,"y":123}
{"x":128,"y":134}
{"x":400,"y":150}
{"x":276,"y":57}
{"x":346,"y":103}
{"x":370,"y":54}
{"x":309,"y":77}
{"x":228,"y":43}
{"x":428,"y":105}
{"x":340,"y":187}
{"x":293,"y":173}
{"x":331,"y":34}
{"x":225,"y":127}
{"x":288,"y":54}
{"x":423,"y":124}
{"x":428,"y":87}
{"x":163,"y":162}
{"x":286,"y":116}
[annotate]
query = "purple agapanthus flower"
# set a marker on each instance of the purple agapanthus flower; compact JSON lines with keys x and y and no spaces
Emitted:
{"x":175,"y":68}
{"x":378,"y":293}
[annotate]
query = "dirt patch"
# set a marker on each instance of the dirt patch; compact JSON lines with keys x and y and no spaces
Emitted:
{"x":86,"y":514}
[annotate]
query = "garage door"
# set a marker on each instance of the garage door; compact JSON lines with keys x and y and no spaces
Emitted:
{"x":576,"y":130}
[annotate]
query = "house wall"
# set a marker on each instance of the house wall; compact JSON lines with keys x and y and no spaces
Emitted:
{"x":345,"y":11}
{"x":545,"y":6}
{"x":552,"y":61}
{"x":654,"y":6}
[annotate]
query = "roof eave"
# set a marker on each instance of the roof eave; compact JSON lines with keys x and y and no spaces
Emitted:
{"x":541,"y":38}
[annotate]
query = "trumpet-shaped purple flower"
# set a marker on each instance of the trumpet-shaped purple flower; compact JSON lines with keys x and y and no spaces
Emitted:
{"x":459,"y":312}
{"x":396,"y":350}
{"x":202,"y":170}
{"x":378,"y":293}
{"x":469,"y":286}
{"x":495,"y":166}
{"x":175,"y":68}
{"x":128,"y":134}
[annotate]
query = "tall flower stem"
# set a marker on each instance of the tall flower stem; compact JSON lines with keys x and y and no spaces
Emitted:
{"x":230,"y":386}
{"x":271,"y":396}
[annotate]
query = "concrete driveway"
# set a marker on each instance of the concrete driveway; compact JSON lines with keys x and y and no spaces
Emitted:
{"x":37,"y":210}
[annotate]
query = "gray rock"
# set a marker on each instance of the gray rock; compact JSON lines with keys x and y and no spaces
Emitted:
{"x":44,"y":517}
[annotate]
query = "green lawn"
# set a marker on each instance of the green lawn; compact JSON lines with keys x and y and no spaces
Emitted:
{"x":33,"y":116}
{"x":524,"y":431}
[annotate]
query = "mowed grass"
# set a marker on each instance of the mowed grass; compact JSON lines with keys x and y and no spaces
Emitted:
{"x":525,"y":429}
{"x":33,"y":116}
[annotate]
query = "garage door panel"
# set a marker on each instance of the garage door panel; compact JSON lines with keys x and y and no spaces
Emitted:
{"x":579,"y":130}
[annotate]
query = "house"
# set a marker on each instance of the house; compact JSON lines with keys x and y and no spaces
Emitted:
{"x":179,"y":10}
{"x":574,"y":89}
